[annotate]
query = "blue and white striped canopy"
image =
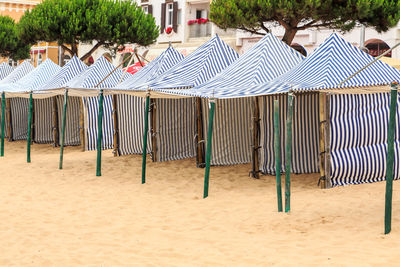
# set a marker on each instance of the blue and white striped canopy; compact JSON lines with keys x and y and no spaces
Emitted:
{"x":94,"y":74}
{"x":200,"y":66}
{"x":35,"y":78}
{"x":268,"y":59}
{"x":19,"y":72}
{"x":155,"y":68}
{"x":330,"y":64}
{"x":70,"y":70}
{"x":5,"y":69}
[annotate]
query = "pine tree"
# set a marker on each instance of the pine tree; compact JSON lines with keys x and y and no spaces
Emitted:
{"x":256,"y":16}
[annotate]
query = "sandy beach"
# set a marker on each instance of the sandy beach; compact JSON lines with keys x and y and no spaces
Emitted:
{"x":71,"y":217}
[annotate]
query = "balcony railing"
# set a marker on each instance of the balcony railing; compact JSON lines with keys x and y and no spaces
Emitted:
{"x":200,"y":30}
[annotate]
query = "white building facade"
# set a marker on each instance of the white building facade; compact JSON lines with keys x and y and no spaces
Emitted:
{"x":185,"y":25}
{"x":182,"y":23}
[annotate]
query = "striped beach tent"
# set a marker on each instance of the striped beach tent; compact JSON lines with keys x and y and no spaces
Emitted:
{"x":20,"y":71}
{"x":356,"y":132}
{"x":5,"y":70}
{"x":6,"y":84}
{"x":131,"y":109}
{"x":20,"y":105}
{"x":90,"y":78}
{"x":175,"y":119}
{"x":233,"y":125}
{"x":48,"y":111}
{"x":169,"y":58}
{"x":357,"y":123}
{"x":197,"y":68}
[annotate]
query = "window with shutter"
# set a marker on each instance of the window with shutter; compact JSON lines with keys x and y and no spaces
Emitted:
{"x":150,"y":9}
{"x":145,"y":9}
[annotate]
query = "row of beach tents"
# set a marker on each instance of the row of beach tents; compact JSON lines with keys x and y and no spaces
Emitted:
{"x":339,"y":128}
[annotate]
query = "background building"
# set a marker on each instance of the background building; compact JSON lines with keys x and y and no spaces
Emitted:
{"x":184,"y":24}
{"x":39,"y":52}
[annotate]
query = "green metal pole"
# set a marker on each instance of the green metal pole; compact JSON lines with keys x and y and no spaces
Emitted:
{"x":146,"y":129}
{"x":208,"y":153}
{"x":28,"y":151}
{"x":3,"y":118}
{"x":64,"y":118}
{"x":288,"y":151}
{"x":390,"y":158}
{"x":99,"y":133}
{"x":277,"y":140}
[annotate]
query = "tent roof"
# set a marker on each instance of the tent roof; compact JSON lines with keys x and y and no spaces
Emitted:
{"x":200,"y":66}
{"x":94,"y":74}
{"x":154,"y":69}
{"x":70,"y":70}
{"x":330,"y":64}
{"x":36,"y":77}
{"x":268,"y":59}
{"x":5,"y":69}
{"x":20,"y":71}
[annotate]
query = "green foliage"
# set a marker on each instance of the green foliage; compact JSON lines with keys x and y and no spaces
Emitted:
{"x":294,"y":15}
{"x":109,"y":22}
{"x":10,"y":44}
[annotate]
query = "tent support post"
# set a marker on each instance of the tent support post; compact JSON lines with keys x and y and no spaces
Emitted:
{"x":145,"y":133}
{"x":327,"y":144}
{"x":29,"y":137}
{"x":64,"y":118}
{"x":390,"y":157}
{"x":256,"y":140}
{"x":288,"y":151}
{"x":3,"y":118}
{"x":116,"y":130}
{"x":153,"y":129}
{"x":209,"y":149}
{"x":322,"y":133}
{"x":277,"y":141}
{"x":82,"y":125}
{"x":99,"y":133}
{"x":199,"y":142}
{"x":55,"y":123}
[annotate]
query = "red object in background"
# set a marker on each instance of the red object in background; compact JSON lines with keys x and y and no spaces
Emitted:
{"x":198,"y":21}
{"x":168,"y":30}
{"x":91,"y":60}
{"x":41,"y":51}
{"x":133,"y":68}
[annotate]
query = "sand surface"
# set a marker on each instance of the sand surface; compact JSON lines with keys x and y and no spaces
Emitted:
{"x":71,"y":217}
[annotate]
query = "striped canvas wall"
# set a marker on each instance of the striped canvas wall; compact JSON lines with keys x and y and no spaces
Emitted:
{"x":358,"y":138}
{"x":19,"y":118}
{"x":232,"y":130}
{"x":305,"y":133}
{"x":72,"y":133}
{"x":91,"y":105}
{"x":130,"y":112}
{"x":43,"y":120}
{"x":175,"y":128}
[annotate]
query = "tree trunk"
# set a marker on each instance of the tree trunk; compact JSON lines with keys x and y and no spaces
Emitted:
{"x":90,"y":52}
{"x":290,"y":33}
{"x":74,"y":48}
